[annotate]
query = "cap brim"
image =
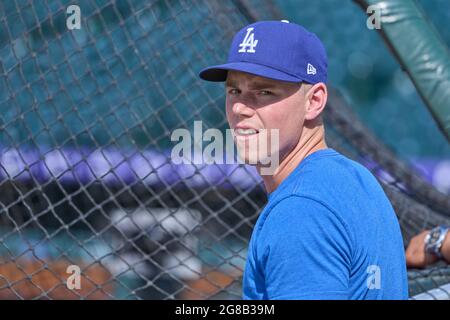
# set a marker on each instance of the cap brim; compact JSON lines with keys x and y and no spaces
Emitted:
{"x":219,"y":73}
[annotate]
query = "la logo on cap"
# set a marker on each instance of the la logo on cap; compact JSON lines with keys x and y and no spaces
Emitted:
{"x":249,"y":43}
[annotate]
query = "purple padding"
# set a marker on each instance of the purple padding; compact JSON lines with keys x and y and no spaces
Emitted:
{"x":118,"y":167}
{"x":434,"y":171}
{"x":154,"y":168}
{"x":437,"y":172}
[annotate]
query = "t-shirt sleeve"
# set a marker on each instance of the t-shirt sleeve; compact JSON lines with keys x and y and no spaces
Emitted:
{"x":306,"y":251}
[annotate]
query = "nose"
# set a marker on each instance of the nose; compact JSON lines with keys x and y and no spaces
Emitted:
{"x":241,"y":109}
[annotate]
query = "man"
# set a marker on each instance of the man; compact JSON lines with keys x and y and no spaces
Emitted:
{"x":328,"y":231}
{"x":428,"y":247}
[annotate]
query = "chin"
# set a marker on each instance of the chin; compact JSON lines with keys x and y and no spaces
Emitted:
{"x":249,"y":152}
{"x":248,"y":156}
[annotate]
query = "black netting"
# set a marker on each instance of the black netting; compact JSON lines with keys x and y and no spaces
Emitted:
{"x":85,"y":171}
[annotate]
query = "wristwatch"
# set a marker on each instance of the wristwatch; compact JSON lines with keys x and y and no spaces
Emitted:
{"x":434,"y":240}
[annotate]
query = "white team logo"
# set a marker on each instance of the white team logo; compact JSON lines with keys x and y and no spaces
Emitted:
{"x":310,"y":69}
{"x":249,"y":43}
{"x":374,"y":278}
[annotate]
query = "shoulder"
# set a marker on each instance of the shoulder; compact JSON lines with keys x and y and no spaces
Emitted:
{"x":301,"y":217}
{"x":325,"y":174}
{"x":331,"y":171}
{"x":336,"y":182}
{"x":296,"y":206}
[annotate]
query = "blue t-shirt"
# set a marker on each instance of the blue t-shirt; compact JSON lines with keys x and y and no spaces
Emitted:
{"x":327,"y":232}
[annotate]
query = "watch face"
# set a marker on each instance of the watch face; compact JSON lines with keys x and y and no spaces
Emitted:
{"x":434,"y":236}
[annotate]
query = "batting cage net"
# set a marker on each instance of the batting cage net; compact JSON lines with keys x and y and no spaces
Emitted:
{"x":86,"y":179}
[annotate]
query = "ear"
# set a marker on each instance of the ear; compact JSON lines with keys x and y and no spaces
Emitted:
{"x":316,"y":98}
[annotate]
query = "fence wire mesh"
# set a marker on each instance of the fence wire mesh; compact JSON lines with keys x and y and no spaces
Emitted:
{"x":85,"y":172}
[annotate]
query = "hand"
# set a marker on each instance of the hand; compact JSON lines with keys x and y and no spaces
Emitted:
{"x":416,"y":256}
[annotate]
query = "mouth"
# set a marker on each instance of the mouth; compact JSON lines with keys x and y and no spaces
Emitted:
{"x":245,"y":132}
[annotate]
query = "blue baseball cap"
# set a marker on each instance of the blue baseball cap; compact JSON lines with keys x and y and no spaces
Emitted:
{"x":277,"y":50}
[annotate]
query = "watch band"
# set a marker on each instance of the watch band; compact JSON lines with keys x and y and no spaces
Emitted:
{"x":434,"y":240}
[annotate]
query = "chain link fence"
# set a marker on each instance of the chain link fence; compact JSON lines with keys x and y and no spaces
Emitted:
{"x":85,"y":172}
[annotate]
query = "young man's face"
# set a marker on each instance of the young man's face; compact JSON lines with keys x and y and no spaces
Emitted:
{"x":254,"y":103}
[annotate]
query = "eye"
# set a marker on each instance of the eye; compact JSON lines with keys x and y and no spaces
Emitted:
{"x":233,"y":91}
{"x":265,"y":93}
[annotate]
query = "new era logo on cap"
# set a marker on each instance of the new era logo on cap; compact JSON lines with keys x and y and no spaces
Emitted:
{"x":310,"y":69}
{"x":277,"y":50}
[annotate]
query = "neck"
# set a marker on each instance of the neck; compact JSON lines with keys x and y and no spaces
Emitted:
{"x":312,"y":139}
